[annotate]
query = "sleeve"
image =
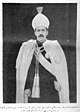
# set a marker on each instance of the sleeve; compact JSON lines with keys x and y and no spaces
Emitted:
{"x":61,"y":72}
{"x":22,"y":65}
{"x":20,"y":54}
{"x":20,"y":72}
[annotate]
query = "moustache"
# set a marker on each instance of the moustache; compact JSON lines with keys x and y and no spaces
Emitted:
{"x":41,"y":35}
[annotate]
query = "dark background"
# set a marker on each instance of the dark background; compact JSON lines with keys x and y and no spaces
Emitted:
{"x":17,"y":29}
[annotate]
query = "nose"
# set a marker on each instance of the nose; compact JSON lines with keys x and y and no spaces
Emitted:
{"x":40,"y":32}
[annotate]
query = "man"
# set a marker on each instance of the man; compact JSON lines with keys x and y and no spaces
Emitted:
{"x":41,"y":68}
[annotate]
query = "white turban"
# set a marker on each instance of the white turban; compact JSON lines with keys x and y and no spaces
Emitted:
{"x":40,"y":19}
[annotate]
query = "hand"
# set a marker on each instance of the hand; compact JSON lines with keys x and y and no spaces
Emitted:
{"x":27,"y":93}
{"x":57,"y":86}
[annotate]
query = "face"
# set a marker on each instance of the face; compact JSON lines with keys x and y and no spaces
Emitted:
{"x":41,"y":33}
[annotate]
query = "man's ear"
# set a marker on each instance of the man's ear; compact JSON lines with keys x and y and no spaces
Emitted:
{"x":47,"y":33}
{"x":35,"y":33}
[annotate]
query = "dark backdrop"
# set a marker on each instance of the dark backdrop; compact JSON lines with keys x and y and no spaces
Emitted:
{"x":17,"y":29}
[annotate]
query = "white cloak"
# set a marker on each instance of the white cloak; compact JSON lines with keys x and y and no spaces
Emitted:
{"x":59,"y":67}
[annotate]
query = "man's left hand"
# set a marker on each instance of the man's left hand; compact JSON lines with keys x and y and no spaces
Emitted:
{"x":57,"y":86}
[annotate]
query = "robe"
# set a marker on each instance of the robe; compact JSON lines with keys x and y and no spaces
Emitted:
{"x":58,"y":67}
{"x":47,"y":92}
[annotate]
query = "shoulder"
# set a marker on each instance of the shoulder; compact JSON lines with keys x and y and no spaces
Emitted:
{"x":55,"y":47}
{"x":27,"y":45}
{"x":31,"y":41}
{"x":52,"y":44}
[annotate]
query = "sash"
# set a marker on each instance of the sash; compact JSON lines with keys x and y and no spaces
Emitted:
{"x":40,"y":58}
{"x":46,"y":64}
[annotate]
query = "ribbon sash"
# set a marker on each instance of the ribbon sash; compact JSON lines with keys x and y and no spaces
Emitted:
{"x":47,"y":65}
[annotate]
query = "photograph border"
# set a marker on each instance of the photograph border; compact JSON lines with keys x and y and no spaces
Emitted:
{"x":69,"y":107}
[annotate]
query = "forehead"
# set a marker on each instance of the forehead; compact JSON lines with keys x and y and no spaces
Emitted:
{"x":40,"y":27}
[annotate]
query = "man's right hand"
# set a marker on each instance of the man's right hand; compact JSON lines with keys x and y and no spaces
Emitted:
{"x":27,"y":93}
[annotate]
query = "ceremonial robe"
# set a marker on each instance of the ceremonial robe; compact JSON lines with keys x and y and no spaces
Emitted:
{"x":58,"y":67}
